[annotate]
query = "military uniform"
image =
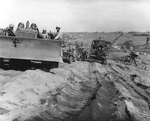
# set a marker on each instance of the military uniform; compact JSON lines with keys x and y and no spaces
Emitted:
{"x":10,"y":31}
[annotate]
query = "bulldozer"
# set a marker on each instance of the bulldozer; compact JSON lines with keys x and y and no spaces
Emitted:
{"x":25,"y":51}
{"x":100,"y":49}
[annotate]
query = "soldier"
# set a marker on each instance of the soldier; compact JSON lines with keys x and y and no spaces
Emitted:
{"x":27,"y":24}
{"x":20,"y":25}
{"x":34,"y":27}
{"x":58,"y":33}
{"x":10,"y":30}
{"x":44,"y":33}
{"x":50,"y":35}
{"x":133,"y":55}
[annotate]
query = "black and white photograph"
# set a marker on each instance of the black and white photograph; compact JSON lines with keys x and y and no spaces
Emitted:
{"x":74,"y":60}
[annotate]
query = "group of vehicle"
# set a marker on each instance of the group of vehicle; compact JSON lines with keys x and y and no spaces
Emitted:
{"x":26,"y":49}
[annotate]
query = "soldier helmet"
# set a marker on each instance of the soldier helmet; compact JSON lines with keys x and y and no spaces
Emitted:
{"x":44,"y":30}
{"x":21,"y":25}
{"x":11,"y":25}
{"x":58,"y":27}
{"x":33,"y":26}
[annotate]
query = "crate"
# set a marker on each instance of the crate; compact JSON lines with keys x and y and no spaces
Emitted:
{"x":26,"y":33}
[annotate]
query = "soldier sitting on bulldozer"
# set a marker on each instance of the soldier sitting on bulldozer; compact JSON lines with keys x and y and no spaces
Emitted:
{"x":44,"y":33}
{"x":20,"y":25}
{"x":58,"y":33}
{"x":34,"y":27}
{"x":10,"y":30}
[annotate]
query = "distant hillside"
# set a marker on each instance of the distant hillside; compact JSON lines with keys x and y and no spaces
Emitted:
{"x":87,"y":37}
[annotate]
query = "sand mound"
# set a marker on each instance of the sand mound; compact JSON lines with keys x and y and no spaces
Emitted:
{"x":79,"y":91}
{"x":50,"y":96}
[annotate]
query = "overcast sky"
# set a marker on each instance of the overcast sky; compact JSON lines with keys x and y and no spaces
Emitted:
{"x":78,"y":15}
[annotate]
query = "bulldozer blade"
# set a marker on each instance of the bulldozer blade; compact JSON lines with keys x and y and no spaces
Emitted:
{"x":30,"y":49}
